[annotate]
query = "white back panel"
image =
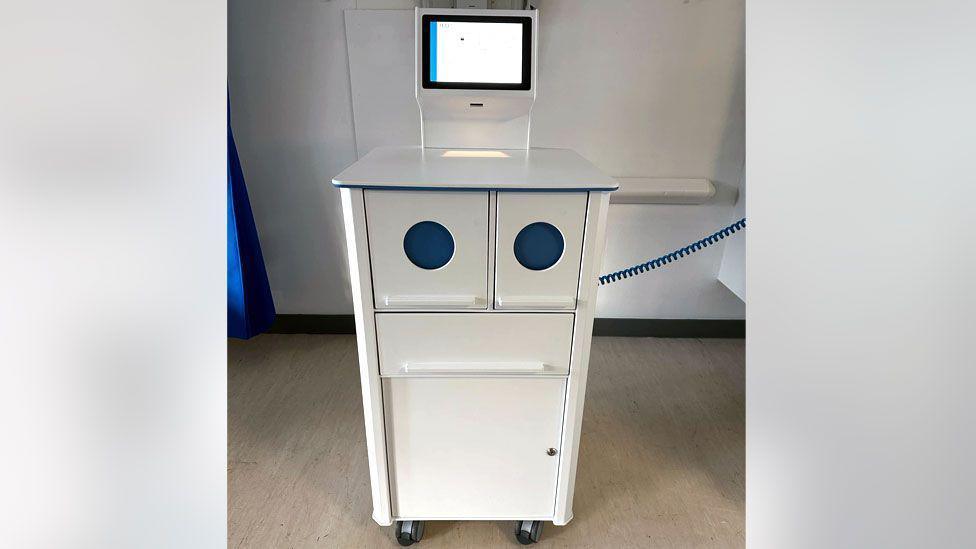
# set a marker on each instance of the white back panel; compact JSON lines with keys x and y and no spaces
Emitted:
{"x":380,"y":47}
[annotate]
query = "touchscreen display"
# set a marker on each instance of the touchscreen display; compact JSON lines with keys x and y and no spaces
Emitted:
{"x":476,"y":53}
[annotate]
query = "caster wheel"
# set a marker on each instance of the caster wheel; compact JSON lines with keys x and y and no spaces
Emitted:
{"x":409,"y":532}
{"x":528,"y":532}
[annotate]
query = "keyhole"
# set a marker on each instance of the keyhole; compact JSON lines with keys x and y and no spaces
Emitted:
{"x":551,"y":451}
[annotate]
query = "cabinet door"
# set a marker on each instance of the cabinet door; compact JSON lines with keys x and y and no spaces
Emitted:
{"x":473,"y":448}
{"x":428,"y":249}
{"x":538,"y":249}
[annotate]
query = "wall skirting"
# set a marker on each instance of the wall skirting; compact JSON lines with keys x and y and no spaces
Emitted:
{"x":620,"y":327}
{"x":656,"y":327}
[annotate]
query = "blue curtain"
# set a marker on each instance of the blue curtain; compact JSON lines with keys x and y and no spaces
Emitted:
{"x":250,"y":308}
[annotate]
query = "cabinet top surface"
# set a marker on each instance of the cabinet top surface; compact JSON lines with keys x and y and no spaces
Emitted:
{"x":445,"y":169}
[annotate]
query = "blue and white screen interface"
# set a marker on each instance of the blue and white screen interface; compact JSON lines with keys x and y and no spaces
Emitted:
{"x":475,"y":52}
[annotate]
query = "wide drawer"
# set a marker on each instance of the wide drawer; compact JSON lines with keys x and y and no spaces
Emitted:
{"x":452,"y":344}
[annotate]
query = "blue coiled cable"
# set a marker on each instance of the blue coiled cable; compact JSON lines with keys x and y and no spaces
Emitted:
{"x":675,"y":255}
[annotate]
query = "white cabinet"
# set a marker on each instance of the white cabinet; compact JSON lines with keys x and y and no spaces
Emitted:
{"x":428,"y":250}
{"x":474,"y":281}
{"x":472,"y":344}
{"x":539,"y":245}
{"x":475,"y":448}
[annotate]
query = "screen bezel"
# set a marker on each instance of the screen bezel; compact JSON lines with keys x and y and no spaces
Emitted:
{"x":524,"y":85}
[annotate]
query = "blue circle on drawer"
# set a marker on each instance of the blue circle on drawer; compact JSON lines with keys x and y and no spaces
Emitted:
{"x":428,"y":245}
{"x":539,"y":246}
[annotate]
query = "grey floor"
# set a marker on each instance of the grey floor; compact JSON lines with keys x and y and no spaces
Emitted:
{"x":662,"y":456}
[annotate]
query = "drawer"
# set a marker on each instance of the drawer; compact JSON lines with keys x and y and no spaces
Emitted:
{"x":428,"y":249}
{"x":452,"y":344}
{"x":539,"y":245}
{"x":473,"y":447}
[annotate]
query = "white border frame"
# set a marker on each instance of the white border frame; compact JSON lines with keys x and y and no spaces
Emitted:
{"x":594,"y":240}
{"x":360,"y":275}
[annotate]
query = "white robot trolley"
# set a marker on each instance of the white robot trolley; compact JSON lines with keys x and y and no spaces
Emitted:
{"x":473,"y":261}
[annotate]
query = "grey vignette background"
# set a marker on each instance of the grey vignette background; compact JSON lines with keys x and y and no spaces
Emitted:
{"x":113,"y":174}
{"x":859,"y":260}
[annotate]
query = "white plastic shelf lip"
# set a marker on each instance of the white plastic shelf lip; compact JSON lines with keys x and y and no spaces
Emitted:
{"x":652,"y":190}
{"x":430,"y":300}
{"x":472,"y":367}
{"x":539,"y":301}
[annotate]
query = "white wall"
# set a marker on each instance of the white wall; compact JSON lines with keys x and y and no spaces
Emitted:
{"x":644,"y":88}
{"x":650,"y":89}
{"x":292,"y":119}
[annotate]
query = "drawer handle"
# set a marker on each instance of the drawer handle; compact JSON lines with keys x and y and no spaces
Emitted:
{"x":474,"y":367}
{"x":537,"y":301}
{"x":430,"y":300}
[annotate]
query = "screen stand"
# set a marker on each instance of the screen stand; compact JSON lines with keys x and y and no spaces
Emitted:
{"x":475,"y":118}
{"x":475,"y":122}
